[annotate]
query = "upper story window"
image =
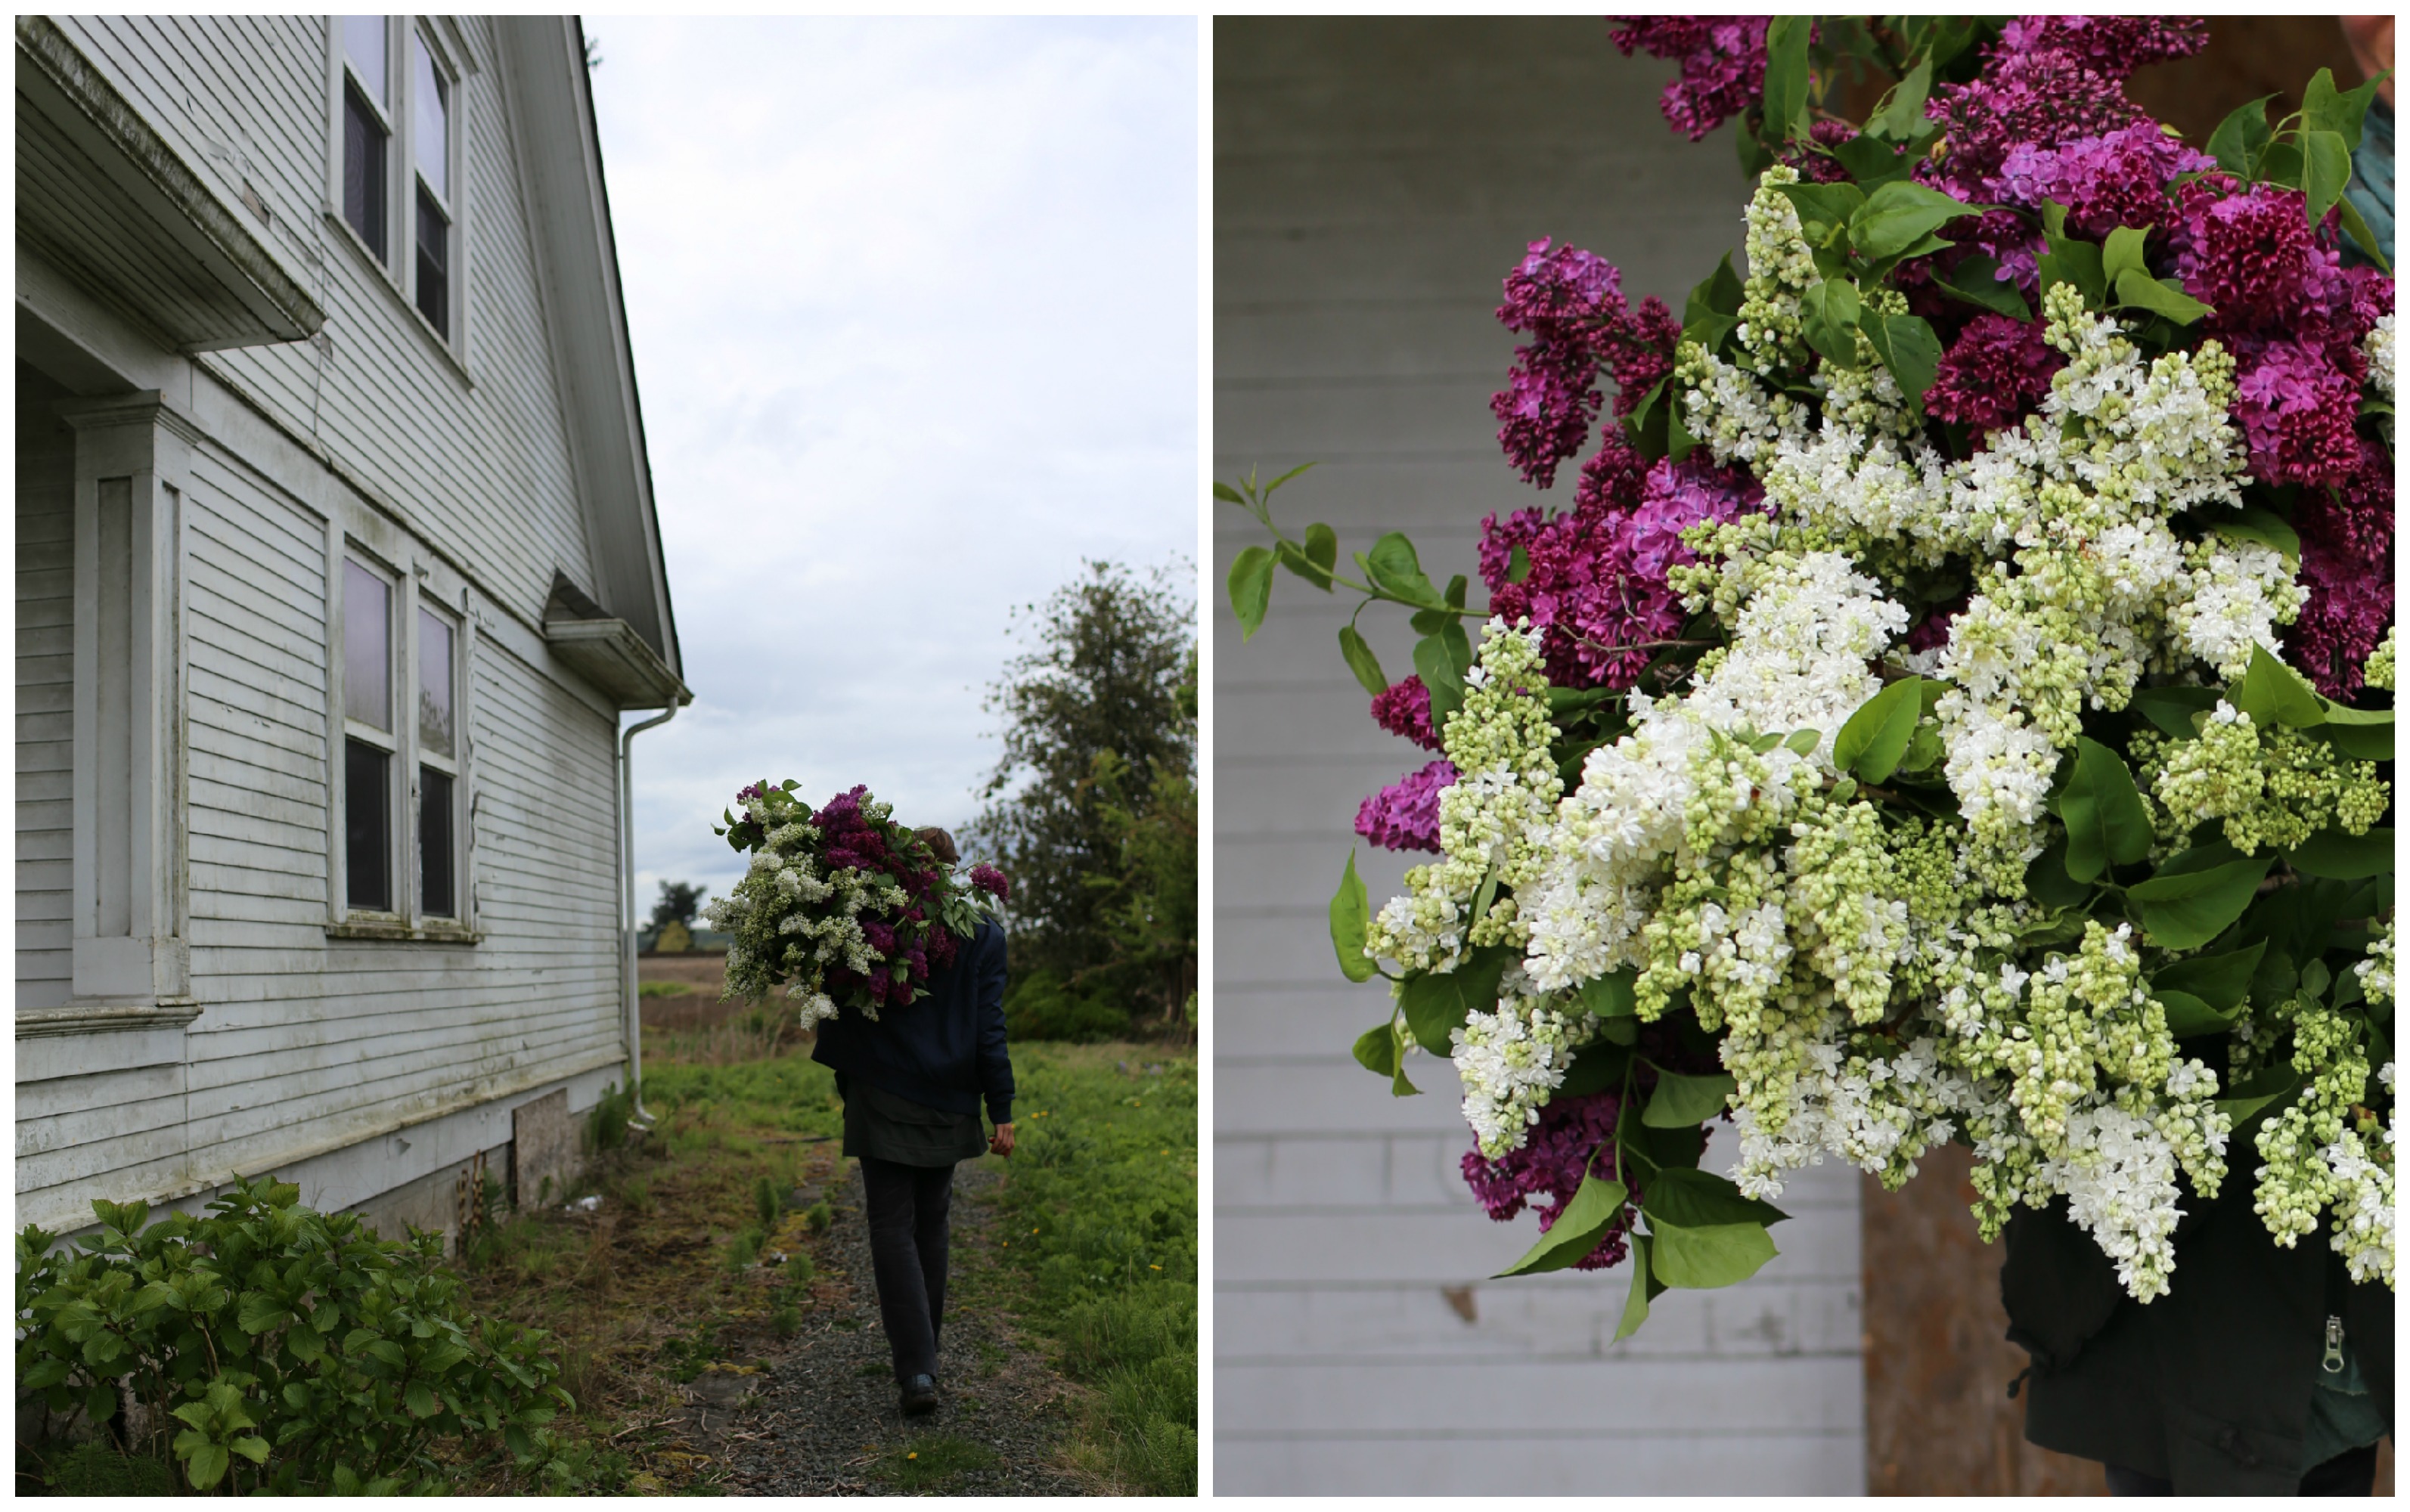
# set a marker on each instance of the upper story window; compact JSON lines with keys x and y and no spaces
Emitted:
{"x":398,"y":110}
{"x":368,"y":128}
{"x":431,"y":150}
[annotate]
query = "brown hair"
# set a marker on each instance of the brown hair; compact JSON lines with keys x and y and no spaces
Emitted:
{"x":940,"y":844}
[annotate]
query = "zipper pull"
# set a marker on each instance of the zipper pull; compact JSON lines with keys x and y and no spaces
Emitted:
{"x":2332,"y":1363}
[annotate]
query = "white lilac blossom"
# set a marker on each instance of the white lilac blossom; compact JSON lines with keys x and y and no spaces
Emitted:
{"x":1879,"y":978}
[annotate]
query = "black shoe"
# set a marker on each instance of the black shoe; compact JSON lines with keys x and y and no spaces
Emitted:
{"x":920,"y":1396}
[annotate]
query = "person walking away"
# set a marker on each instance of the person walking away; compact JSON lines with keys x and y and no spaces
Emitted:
{"x":913,"y":1082}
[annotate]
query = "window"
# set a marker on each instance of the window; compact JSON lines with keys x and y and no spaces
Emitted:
{"x":367,"y":739}
{"x":438,"y":767}
{"x":368,"y":131}
{"x":431,"y":152}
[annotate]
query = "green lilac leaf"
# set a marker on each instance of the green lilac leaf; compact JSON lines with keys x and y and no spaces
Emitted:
{"x":1361,"y":660}
{"x":1376,"y":1049}
{"x":2189,"y":1015}
{"x":1635,"y":1302}
{"x":1681,"y":1101}
{"x":2270,"y":690}
{"x":1908,"y":347}
{"x":2160,"y":296}
{"x":2342,"y":858}
{"x":1438,"y":671}
{"x":1976,"y":282}
{"x":2241,"y":137}
{"x":1611,"y":996}
{"x":1901,"y":213}
{"x":2171,"y":708}
{"x":1786,"y":76}
{"x":2325,"y":172}
{"x":2222,"y":981}
{"x":2188,"y":910}
{"x":1251,"y":589}
{"x":2106,"y":819}
{"x":1874,"y":739}
{"x":1436,"y":1003}
{"x":1577,"y":1230}
{"x":2121,"y":252}
{"x":1701,"y":1199}
{"x":1720,"y":1255}
{"x":1350,"y":915}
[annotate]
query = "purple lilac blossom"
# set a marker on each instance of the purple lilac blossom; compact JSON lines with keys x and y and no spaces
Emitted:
{"x":1596,"y":589}
{"x":1404,"y":815}
{"x":2348,"y":566}
{"x":1547,"y":1171}
{"x":2296,"y":409}
{"x":1994,"y":375}
{"x":989,"y":879}
{"x":1571,"y":304}
{"x":1405,"y":710}
{"x":2115,"y":45}
{"x":1722,"y":61}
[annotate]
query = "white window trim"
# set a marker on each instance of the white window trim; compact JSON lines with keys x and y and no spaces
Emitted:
{"x":398,"y":269}
{"x":345,"y":729}
{"x":338,"y":71}
{"x":419,"y":581}
{"x":422,"y":30}
{"x":454,"y":766}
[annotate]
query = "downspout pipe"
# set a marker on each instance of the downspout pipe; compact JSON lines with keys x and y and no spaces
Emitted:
{"x":631,"y":1016}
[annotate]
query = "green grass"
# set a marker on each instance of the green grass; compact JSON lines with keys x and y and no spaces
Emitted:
{"x":930,"y":1463}
{"x":1103,"y":1237}
{"x":1097,"y":1239}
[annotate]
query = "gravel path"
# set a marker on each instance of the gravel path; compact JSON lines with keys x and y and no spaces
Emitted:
{"x":825,"y":1421}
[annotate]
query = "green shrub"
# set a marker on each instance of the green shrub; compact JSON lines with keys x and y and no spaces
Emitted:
{"x":1041,"y":1007}
{"x":277,"y":1348}
{"x":744,"y":1249}
{"x":1128,"y":1327}
{"x":606,"y":1126}
{"x":818,"y":1217}
{"x":94,"y":1468}
{"x":767,"y":1203}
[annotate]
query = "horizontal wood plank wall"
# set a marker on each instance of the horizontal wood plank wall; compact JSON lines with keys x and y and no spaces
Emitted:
{"x":307,"y":1042}
{"x":45,"y":693}
{"x":1373,"y":182}
{"x":477,"y":462}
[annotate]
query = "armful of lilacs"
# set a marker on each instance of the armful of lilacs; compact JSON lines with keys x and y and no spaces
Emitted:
{"x":1956,"y":705}
{"x":843,"y":907}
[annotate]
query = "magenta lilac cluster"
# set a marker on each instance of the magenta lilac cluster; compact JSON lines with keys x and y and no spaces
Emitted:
{"x":913,"y":936}
{"x":988,"y":880}
{"x":1571,"y":304}
{"x":1547,"y":1171}
{"x":1595,"y":579}
{"x":1721,"y":58}
{"x":1404,"y":815}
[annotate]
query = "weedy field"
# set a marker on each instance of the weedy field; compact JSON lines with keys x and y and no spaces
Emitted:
{"x":681,"y":1270}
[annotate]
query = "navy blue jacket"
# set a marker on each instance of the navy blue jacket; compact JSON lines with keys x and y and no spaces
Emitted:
{"x":945,"y":1051}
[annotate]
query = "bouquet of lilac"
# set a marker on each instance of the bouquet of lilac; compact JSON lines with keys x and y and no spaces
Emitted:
{"x":1956,"y":705}
{"x":844,"y":907}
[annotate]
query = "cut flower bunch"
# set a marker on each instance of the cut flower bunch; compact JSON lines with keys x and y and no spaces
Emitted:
{"x":844,"y":907}
{"x":1957,"y":705}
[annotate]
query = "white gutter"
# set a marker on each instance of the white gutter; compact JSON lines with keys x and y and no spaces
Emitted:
{"x":633,"y":1017}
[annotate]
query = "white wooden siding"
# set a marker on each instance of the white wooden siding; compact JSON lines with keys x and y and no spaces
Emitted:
{"x":308,"y":1043}
{"x":477,"y":465}
{"x":1373,"y":182}
{"x":45,"y":693}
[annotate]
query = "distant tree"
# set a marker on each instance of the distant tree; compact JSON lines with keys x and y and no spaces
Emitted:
{"x":678,"y":903}
{"x":1097,"y":714}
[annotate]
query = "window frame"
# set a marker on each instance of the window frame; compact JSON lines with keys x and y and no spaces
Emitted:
{"x":447,"y":49}
{"x":421,"y":33}
{"x":454,"y":766}
{"x":340,"y":75}
{"x":392,"y":741}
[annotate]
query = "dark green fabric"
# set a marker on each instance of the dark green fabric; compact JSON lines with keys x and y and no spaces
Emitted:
{"x":2343,"y":1411}
{"x":2210,"y":1386}
{"x":884,"y":1127}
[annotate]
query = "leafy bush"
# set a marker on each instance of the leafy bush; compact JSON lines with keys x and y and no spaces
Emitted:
{"x":1040,"y":1006}
{"x":267,"y":1347}
{"x":98,"y":1469}
{"x":606,"y":1126}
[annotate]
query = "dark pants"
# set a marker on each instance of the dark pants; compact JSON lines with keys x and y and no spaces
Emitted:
{"x":908,"y":1256}
{"x":2352,"y":1472}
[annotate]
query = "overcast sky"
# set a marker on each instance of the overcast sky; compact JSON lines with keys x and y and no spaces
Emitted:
{"x":914,"y":310}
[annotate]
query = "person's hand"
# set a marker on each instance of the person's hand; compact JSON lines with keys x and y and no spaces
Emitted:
{"x":1001,"y":1141}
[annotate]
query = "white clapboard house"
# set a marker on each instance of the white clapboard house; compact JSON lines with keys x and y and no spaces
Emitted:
{"x":1373,"y":181}
{"x":336,"y":566}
